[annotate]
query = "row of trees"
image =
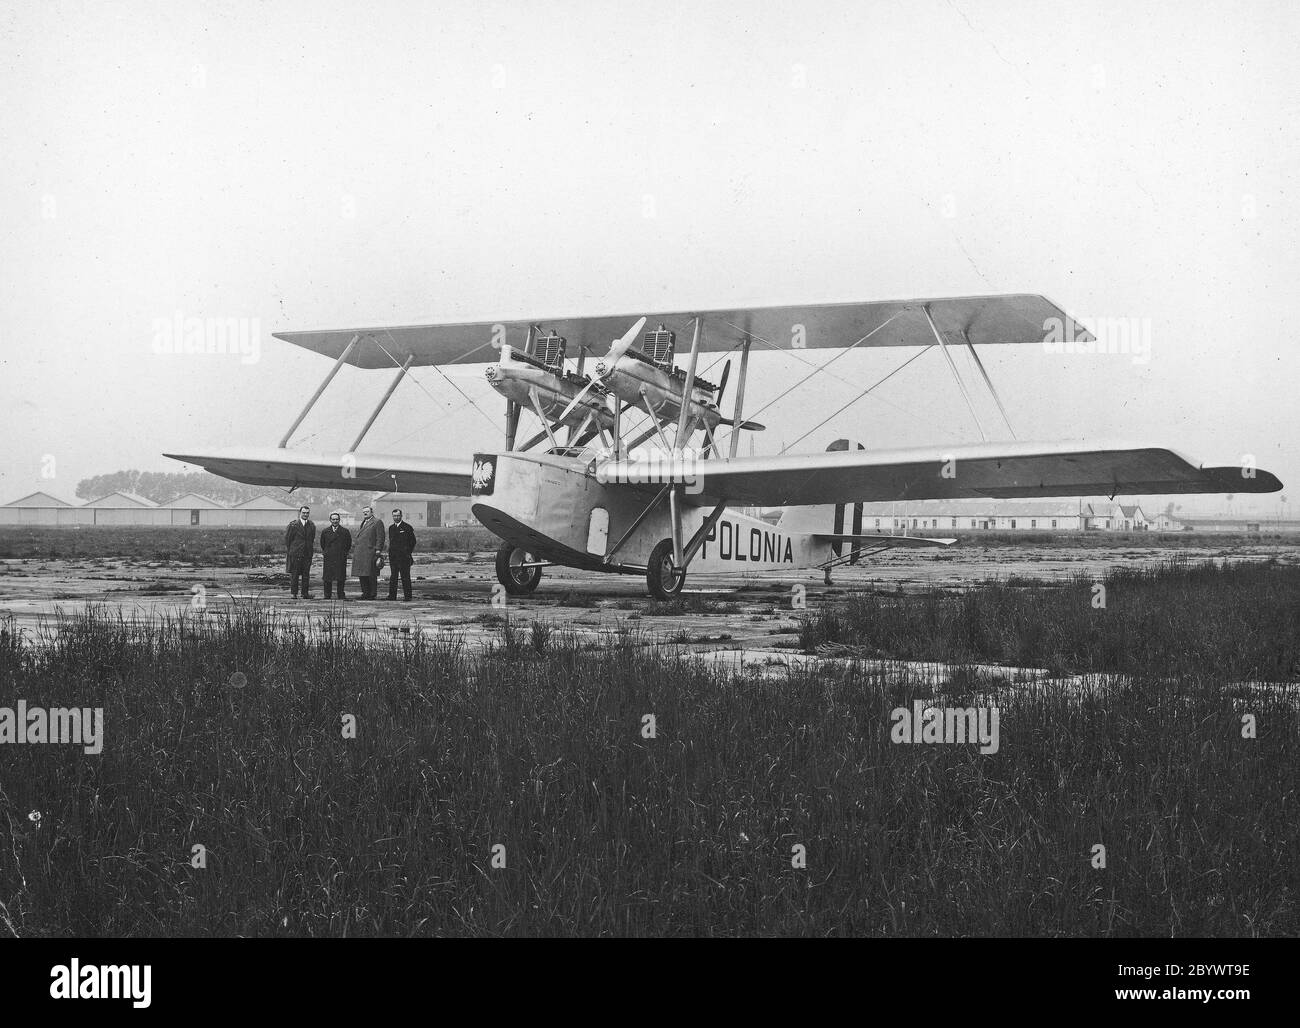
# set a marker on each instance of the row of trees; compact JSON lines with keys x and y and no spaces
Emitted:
{"x":162,"y":486}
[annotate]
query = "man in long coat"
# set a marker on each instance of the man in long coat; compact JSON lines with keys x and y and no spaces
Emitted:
{"x":299,"y":545}
{"x":401,"y":544}
{"x":368,"y":544}
{"x":335,"y":542}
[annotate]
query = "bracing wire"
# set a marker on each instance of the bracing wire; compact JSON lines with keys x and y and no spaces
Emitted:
{"x":857,"y":398}
{"x":439,"y":370}
{"x":821,"y":367}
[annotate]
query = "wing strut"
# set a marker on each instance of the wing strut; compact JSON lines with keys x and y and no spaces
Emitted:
{"x":654,"y":418}
{"x":679,"y":440}
{"x":636,"y":523}
{"x":697,"y":540}
{"x":401,"y":372}
{"x":642,"y":437}
{"x":738,"y":412}
{"x":953,"y":368}
{"x":537,"y":406}
{"x":675,"y":516}
{"x":320,"y":389}
{"x":988,"y":382}
{"x":512,"y":408}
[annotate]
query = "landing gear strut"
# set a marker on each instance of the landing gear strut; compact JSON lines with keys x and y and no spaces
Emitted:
{"x":663,"y":577}
{"x":518,"y":580}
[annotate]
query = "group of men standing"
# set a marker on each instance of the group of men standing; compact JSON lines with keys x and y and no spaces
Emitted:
{"x":369,"y":549}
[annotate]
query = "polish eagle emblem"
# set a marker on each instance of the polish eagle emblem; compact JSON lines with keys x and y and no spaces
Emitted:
{"x":481,"y":473}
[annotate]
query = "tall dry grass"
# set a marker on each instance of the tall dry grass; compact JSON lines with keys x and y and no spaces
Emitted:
{"x":226,"y":733}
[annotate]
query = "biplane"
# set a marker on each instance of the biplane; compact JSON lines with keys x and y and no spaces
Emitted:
{"x":633,"y":463}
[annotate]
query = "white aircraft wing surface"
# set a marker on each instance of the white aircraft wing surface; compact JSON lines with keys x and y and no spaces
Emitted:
{"x":365,"y":471}
{"x":1019,"y":318}
{"x":1002,"y":470}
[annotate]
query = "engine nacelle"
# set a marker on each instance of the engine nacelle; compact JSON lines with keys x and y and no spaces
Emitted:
{"x":648,"y":376}
{"x":516,"y":376}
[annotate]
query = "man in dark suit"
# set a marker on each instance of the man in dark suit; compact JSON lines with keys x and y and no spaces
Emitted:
{"x":401,"y":544}
{"x":335,"y":543}
{"x":299,"y":545}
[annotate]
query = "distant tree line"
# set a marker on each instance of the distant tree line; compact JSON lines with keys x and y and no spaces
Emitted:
{"x":163,"y":486}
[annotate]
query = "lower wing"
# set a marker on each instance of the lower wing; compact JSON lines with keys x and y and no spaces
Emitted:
{"x":364,"y":471}
{"x":1004,"y":470}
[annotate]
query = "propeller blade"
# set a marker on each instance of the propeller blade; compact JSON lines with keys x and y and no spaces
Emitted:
{"x":575,"y":401}
{"x":722,"y":385}
{"x":620,"y":346}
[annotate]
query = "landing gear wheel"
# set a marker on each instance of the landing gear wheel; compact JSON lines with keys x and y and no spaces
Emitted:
{"x":662,"y":576}
{"x":519,"y":581}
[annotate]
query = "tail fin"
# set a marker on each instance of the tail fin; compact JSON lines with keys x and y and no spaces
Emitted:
{"x":828,"y":517}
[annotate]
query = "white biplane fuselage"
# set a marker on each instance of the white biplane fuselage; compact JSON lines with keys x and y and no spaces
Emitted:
{"x":558,"y":510}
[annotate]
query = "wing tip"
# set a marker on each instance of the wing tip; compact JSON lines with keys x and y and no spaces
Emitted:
{"x":1239,"y":479}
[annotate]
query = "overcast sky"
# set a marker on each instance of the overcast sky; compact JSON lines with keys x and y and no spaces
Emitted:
{"x":315,"y":165}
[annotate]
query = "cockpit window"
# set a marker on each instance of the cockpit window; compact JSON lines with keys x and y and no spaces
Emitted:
{"x":571,"y":451}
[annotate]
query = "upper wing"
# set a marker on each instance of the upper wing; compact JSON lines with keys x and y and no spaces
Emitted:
{"x":367,"y":471}
{"x":1020,"y":318}
{"x":1003,"y":470}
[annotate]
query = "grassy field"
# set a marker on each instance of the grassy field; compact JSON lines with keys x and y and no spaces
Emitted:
{"x":1179,"y":618}
{"x":214,"y":547}
{"x":226,"y":734}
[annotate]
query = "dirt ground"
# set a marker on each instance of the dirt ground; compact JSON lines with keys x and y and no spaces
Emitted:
{"x":744,"y":617}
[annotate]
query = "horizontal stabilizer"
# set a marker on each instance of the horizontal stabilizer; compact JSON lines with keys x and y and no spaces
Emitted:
{"x":879,"y":539}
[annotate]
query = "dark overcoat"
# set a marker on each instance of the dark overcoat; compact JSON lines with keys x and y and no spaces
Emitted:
{"x":401,"y":544}
{"x":299,"y":544}
{"x":334,"y":546}
{"x":367,"y":545}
